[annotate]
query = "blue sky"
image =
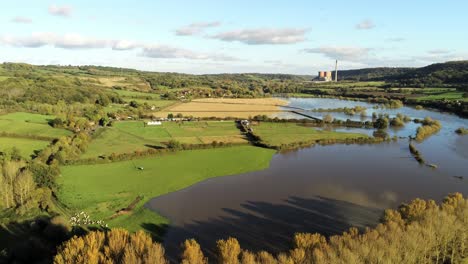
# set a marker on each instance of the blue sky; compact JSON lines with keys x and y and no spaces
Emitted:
{"x":208,"y":36}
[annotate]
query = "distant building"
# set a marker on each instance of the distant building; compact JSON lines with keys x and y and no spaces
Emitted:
{"x":327,"y":76}
{"x":154,"y":123}
{"x":324,"y":76}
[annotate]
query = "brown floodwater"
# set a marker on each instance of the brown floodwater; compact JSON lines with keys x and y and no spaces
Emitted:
{"x":324,"y":189}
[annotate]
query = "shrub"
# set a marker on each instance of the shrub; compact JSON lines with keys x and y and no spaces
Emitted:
{"x":428,"y":128}
{"x":462,"y":131}
{"x":381,"y":123}
{"x":397,"y":122}
{"x":328,"y":118}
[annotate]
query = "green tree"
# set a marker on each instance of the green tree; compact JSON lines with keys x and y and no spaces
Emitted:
{"x":381,"y":123}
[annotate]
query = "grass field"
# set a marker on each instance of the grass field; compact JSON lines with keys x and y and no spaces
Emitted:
{"x":28,"y":124}
{"x":149,"y":98}
{"x":223,"y":107}
{"x":444,"y":96}
{"x":25,"y":146}
{"x":277,"y":134}
{"x":152,"y":102}
{"x":126,"y":137}
{"x":135,"y":94}
{"x":347,"y":84}
{"x":102,"y":189}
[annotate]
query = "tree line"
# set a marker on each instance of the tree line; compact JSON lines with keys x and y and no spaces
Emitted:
{"x":421,"y":231}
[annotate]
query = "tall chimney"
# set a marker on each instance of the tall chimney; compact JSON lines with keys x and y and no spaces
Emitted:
{"x":336,"y":71}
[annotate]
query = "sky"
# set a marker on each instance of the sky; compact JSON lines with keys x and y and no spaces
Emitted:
{"x":213,"y":36}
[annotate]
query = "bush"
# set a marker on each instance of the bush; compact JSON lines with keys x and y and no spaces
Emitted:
{"x":173,"y":144}
{"x":462,"y":131}
{"x":397,"y":122}
{"x":381,"y":123}
{"x":328,"y":118}
{"x":428,"y":128}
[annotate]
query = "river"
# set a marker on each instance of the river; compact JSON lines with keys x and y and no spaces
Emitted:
{"x":324,"y":189}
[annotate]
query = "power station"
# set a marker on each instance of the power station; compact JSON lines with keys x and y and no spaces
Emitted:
{"x":327,"y":76}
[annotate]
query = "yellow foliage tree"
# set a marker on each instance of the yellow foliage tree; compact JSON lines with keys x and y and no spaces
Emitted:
{"x":228,"y":251}
{"x":115,"y":246}
{"x":192,"y":253}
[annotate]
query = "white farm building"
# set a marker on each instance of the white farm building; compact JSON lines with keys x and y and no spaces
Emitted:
{"x":154,"y":123}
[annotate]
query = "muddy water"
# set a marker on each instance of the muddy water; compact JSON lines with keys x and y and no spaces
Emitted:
{"x":323,"y":189}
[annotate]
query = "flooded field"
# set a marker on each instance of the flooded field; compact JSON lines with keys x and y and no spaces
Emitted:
{"x":323,"y":189}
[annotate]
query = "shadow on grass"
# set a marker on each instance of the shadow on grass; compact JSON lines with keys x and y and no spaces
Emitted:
{"x":154,"y":146}
{"x":31,"y":241}
{"x":157,"y":232}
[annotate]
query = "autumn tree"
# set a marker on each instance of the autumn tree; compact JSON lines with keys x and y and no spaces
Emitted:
{"x":115,"y":246}
{"x":192,"y":253}
{"x":228,"y":251}
{"x":23,"y":186}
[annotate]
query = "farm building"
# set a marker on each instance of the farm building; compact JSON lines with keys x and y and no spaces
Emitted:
{"x":154,"y":123}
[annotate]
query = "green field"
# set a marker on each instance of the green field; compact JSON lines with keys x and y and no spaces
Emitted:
{"x":27,"y":124}
{"x":149,"y":98}
{"x":278,"y":134}
{"x":102,"y":189}
{"x":348,"y":84}
{"x":125,"y":137}
{"x":135,"y":94}
{"x":152,"y":102}
{"x":25,"y":146}
{"x":444,"y":96}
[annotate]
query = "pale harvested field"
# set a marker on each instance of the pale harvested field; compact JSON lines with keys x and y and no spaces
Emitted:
{"x":130,"y":82}
{"x":222,"y":107}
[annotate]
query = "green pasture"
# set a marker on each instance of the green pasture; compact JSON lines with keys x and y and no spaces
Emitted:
{"x":152,"y":102}
{"x":129,"y":136}
{"x":27,"y":124}
{"x":102,"y":189}
{"x":443,"y":96}
{"x":277,"y":134}
{"x":135,"y":94}
{"x":26,"y":146}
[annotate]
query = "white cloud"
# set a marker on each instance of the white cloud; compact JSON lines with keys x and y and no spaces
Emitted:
{"x":365,"y":25}
{"x":125,"y":45}
{"x":440,"y":57}
{"x":395,"y":39}
{"x":67,"y":41}
{"x":21,"y":20}
{"x":34,"y":41}
{"x":196,"y":28}
{"x":264,"y":36}
{"x":76,"y":41}
{"x":342,"y":53}
{"x":439,"y":51}
{"x":64,"y":11}
{"x":169,"y":52}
